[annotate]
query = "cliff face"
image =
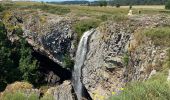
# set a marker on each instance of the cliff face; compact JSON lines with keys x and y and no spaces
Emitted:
{"x":118,"y":52}
{"x":51,"y":35}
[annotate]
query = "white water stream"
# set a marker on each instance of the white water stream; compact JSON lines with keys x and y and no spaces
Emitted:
{"x":80,"y":57}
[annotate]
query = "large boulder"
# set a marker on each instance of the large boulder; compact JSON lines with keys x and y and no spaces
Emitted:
{"x":61,"y":92}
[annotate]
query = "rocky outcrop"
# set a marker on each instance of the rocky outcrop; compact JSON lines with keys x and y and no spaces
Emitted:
{"x":62,"y":92}
{"x":117,"y":55}
{"x":48,"y":34}
{"x":57,"y":42}
{"x":22,"y":88}
{"x":59,"y":92}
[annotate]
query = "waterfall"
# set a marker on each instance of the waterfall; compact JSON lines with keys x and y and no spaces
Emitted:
{"x":80,"y":57}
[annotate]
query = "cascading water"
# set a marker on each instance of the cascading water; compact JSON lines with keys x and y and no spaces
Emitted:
{"x":80,"y":57}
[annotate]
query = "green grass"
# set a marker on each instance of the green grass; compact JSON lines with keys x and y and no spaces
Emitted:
{"x":47,"y":97}
{"x":155,"y":88}
{"x":159,"y":35}
{"x":168,"y":60}
{"x":51,"y":9}
{"x":83,"y":25}
{"x":34,"y":6}
{"x":19,"y":96}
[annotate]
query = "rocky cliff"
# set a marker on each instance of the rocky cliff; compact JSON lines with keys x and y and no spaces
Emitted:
{"x":118,"y":51}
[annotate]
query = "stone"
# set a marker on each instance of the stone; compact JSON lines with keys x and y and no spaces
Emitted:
{"x":62,"y":92}
{"x":153,"y":72}
{"x":168,"y":78}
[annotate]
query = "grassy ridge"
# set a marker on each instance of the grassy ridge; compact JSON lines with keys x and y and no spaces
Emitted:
{"x":160,"y":35}
{"x":156,"y":88}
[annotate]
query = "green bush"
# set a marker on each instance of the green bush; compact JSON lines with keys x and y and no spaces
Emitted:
{"x":19,"y":96}
{"x":47,"y":97}
{"x":1,"y":8}
{"x":159,"y":35}
{"x":51,"y":9}
{"x":119,"y":18}
{"x":28,"y":65}
{"x":16,"y":60}
{"x":126,"y":59}
{"x":84,"y":25}
{"x":102,"y":3}
{"x":18,"y":31}
{"x":168,"y":60}
{"x":68,"y":63}
{"x":167,"y":4}
{"x":154,"y":89}
{"x":104,"y":17}
{"x":9,"y":58}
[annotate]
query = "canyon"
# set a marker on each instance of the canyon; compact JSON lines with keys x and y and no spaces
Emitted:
{"x":105,"y":58}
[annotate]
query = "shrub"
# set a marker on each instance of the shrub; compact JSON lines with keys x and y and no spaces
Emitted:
{"x":1,"y":8}
{"x":52,"y":9}
{"x":68,"y":63}
{"x":47,"y":97}
{"x":168,"y":61}
{"x":102,"y":3}
{"x":19,"y":96}
{"x":14,"y":96}
{"x":154,"y":89}
{"x":84,"y":25}
{"x":130,"y":6}
{"x":104,"y":17}
{"x":18,"y":86}
{"x":126,"y":59}
{"x":160,"y":35}
{"x":117,"y":5}
{"x":18,"y":31}
{"x":167,"y":4}
{"x":119,"y":18}
{"x":28,"y":65}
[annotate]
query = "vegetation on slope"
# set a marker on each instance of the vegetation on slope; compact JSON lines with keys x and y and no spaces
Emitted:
{"x":16,"y":61}
{"x":167,"y":4}
{"x":84,"y":25}
{"x":51,"y":9}
{"x":156,"y":88}
{"x":159,"y":35}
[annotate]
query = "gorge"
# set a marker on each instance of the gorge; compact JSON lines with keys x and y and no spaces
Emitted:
{"x":86,"y":53}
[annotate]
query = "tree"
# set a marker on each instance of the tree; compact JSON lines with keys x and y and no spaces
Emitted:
{"x":28,"y":65}
{"x":167,"y":5}
{"x":102,"y":3}
{"x":117,"y":5}
{"x":130,"y":6}
{"x":1,"y":8}
{"x":16,"y":60}
{"x":8,"y":60}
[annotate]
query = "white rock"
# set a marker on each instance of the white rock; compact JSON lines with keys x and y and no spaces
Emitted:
{"x":153,"y":72}
{"x":168,"y":79}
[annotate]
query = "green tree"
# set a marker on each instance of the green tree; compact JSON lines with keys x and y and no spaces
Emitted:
{"x":1,"y":8}
{"x":28,"y":65}
{"x":16,"y":60}
{"x":167,"y":5}
{"x":102,"y":3}
{"x":8,"y":60}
